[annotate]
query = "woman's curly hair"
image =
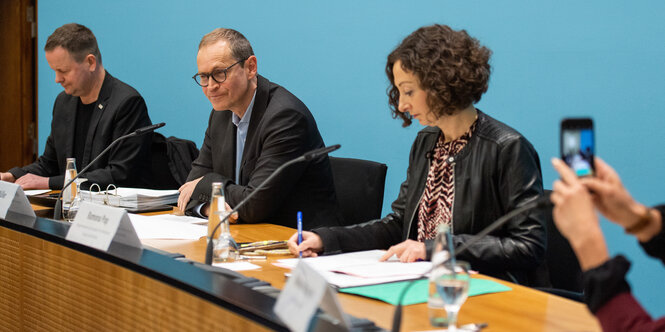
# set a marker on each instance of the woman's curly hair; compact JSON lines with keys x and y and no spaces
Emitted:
{"x":452,"y":67}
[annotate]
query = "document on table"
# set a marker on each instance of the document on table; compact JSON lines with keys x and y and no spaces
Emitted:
{"x":36,"y":192}
{"x":167,"y":227}
{"x":360,"y":268}
{"x":237,"y":266}
{"x":390,"y":293}
{"x":181,"y":219}
{"x":133,"y":198}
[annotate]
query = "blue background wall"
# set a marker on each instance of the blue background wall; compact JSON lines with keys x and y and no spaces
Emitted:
{"x":552,"y":60}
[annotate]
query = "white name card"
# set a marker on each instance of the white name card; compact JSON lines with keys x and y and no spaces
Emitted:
{"x":13,"y":202}
{"x":98,"y":225}
{"x":304,"y":291}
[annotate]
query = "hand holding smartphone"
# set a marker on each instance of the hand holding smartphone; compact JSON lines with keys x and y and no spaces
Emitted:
{"x":578,"y":145}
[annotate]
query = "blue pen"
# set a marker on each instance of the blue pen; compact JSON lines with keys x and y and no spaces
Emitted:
{"x":300,"y":230}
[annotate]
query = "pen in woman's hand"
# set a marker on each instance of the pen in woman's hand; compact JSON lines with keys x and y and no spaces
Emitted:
{"x":300,"y":231}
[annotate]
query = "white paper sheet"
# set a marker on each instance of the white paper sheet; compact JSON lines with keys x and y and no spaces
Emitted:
{"x":182,"y":219}
{"x":161,"y":227}
{"x":237,"y":266}
{"x":360,"y":268}
{"x":36,"y":192}
{"x":135,"y":192}
{"x":385,"y":269}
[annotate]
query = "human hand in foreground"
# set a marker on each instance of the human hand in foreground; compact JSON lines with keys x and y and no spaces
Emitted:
{"x":575,"y":217}
{"x":615,"y":202}
{"x":407,"y":251}
{"x":32,"y":181}
{"x":310,"y":247}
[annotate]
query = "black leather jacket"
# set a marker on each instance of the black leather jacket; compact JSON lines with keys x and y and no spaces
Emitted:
{"x":497,"y":171}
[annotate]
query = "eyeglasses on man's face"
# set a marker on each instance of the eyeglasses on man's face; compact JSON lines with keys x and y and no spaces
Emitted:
{"x":219,"y":75}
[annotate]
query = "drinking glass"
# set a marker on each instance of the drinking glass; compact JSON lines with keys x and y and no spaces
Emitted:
{"x":452,"y":284}
{"x":76,"y":202}
{"x":441,"y":252}
{"x":224,"y":246}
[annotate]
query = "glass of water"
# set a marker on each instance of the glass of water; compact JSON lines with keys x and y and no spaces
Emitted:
{"x":441,"y":254}
{"x":452,"y":284}
{"x":224,"y":246}
{"x":73,"y":208}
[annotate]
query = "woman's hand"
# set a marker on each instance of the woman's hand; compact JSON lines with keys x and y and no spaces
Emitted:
{"x":407,"y":251}
{"x":311,"y":244}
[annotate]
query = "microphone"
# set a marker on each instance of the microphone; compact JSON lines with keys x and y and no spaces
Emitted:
{"x":318,"y":152}
{"x":305,"y":157}
{"x":539,"y":203}
{"x":144,"y":130}
{"x":57,"y":213}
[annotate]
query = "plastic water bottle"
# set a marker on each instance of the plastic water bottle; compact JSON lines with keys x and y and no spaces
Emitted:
{"x":216,"y":199}
{"x":222,"y":240}
{"x":69,"y":193}
{"x":440,"y":254}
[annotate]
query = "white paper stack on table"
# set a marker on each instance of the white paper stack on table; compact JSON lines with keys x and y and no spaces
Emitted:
{"x":36,"y":192}
{"x":166,"y":226}
{"x":360,"y":268}
{"x":133,"y":198}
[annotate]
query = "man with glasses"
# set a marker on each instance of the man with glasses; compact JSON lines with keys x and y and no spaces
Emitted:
{"x":94,"y":109}
{"x":256,"y":126}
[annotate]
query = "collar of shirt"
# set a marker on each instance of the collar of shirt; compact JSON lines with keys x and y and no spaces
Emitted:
{"x":241,"y":134}
{"x":244,"y":122}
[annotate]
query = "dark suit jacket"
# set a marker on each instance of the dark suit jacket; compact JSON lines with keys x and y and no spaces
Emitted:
{"x":118,"y":111}
{"x":281,"y":128}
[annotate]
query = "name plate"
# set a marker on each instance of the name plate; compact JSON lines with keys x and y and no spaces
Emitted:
{"x":298,"y":301}
{"x":14,"y":205}
{"x":98,"y":225}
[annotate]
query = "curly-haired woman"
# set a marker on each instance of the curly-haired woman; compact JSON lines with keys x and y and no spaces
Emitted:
{"x":466,"y":169}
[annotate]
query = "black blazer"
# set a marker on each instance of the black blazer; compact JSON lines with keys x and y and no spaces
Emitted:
{"x":118,"y":111}
{"x":281,"y":128}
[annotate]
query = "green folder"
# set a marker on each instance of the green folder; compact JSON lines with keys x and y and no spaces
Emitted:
{"x":419,"y":291}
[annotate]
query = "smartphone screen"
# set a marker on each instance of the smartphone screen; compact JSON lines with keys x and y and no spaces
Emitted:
{"x":577,"y":145}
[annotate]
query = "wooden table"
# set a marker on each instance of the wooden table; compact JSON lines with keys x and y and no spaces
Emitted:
{"x":522,"y":309}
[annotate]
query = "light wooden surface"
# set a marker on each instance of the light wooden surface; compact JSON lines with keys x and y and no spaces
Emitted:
{"x":522,"y":309}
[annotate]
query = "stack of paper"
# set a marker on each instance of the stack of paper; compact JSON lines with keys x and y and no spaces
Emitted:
{"x":166,"y":226}
{"x":133,"y":198}
{"x":36,"y":192}
{"x":361,"y":268}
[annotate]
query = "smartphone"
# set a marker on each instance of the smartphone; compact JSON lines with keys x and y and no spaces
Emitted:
{"x":578,"y":145}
